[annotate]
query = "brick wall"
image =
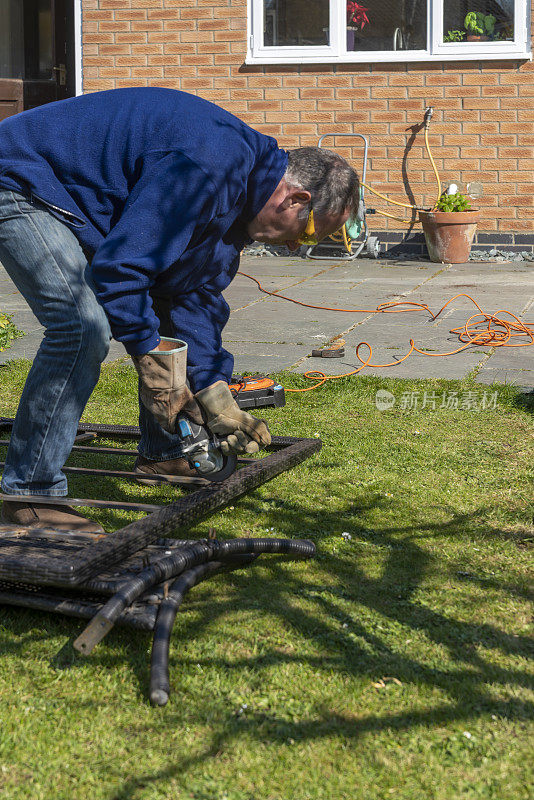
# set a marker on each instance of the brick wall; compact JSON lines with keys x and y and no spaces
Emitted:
{"x":483,"y":127}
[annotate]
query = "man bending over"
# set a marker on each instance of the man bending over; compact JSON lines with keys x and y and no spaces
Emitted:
{"x":123,"y":214}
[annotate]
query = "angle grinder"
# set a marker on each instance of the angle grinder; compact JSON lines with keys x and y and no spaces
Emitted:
{"x":202,"y":451}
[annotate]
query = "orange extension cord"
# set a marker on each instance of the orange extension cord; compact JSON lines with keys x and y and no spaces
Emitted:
{"x":481,"y":330}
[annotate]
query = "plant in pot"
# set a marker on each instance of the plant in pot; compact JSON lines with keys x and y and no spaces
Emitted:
{"x":454,"y":36}
{"x":450,"y":228}
{"x":356,"y":20}
{"x":479,"y":26}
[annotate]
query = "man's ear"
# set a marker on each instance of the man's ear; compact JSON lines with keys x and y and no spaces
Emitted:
{"x":296,"y":196}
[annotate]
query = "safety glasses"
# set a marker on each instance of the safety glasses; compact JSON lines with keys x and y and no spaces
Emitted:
{"x":309,"y":237}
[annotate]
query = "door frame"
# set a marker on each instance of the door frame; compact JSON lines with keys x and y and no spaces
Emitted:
{"x":78,"y":47}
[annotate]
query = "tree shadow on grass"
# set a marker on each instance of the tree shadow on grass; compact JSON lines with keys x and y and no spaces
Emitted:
{"x":525,"y":401}
{"x":330,"y":618}
{"x":358,"y":650}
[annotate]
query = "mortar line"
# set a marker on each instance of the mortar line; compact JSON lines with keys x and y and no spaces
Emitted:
{"x":486,"y":357}
{"x":370,"y":316}
{"x":283,"y":288}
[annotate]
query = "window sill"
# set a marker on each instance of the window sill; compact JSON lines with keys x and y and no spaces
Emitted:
{"x":374,"y":57}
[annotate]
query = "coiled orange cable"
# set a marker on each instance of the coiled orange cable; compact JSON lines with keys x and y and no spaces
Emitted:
{"x":488,"y":330}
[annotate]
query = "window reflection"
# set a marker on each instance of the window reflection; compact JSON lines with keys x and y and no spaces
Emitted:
{"x":296,"y":22}
{"x":386,"y":25}
{"x":478,"y":20}
{"x":26,"y":39}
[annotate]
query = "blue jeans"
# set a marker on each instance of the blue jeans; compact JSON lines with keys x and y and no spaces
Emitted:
{"x":47,"y":265}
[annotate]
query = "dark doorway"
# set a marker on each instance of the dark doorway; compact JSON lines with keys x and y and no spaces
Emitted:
{"x":37,"y":62}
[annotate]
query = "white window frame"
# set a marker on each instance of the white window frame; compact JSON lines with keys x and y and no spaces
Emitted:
{"x":78,"y":45}
{"x":437,"y":50}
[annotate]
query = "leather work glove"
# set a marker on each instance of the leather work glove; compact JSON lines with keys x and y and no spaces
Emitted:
{"x":242,"y":432}
{"x":163,"y":385}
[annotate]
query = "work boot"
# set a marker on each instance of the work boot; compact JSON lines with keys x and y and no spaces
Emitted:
{"x":176,"y":467}
{"x":41,"y":515}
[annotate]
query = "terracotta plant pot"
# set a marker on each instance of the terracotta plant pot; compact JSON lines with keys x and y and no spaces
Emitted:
{"x":472,"y":37}
{"x":449,"y":234}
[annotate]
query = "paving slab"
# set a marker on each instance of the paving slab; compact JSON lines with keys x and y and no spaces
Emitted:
{"x":268,"y":334}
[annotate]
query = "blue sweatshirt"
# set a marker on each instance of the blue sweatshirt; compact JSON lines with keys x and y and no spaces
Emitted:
{"x":158,"y":186}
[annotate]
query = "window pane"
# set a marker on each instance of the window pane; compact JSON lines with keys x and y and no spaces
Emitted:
{"x":38,"y":38}
{"x":478,"y":20}
{"x":11,"y":42}
{"x":296,"y":22}
{"x":386,"y":25}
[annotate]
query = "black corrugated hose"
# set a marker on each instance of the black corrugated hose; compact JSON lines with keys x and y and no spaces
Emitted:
{"x":176,"y":564}
{"x":159,"y":662}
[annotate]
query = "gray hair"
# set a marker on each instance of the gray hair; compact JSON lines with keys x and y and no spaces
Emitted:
{"x":332,"y":182}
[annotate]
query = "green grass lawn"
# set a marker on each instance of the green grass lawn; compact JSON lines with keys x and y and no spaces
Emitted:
{"x":397,"y":664}
{"x":8,"y":331}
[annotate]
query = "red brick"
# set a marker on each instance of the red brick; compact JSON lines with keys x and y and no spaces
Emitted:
{"x":498,"y":115}
{"x":115,"y":72}
{"x":163,"y":13}
{"x":281,"y":94}
{"x":99,"y":38}
{"x":121,"y":25}
{"x":500,"y":140}
{"x":407,"y":105}
{"x":163,"y":82}
{"x":216,"y":95}
{"x":478,"y":79}
{"x":263,"y":105}
{"x":316,"y":93}
{"x":98,"y":84}
{"x":516,"y":152}
{"x":174,"y":71}
{"x":272,"y":130}
{"x":147,"y":3}
{"x":499,"y":91}
{"x":126,"y":83}
{"x":162,"y":37}
{"x":130,"y":61}
{"x":114,"y":49}
{"x":324,"y":117}
{"x":197,"y":59}
{"x":301,"y":129}
{"x":444,"y":79}
{"x":216,"y":25}
{"x":462,"y":91}
{"x":146,"y":49}
{"x":196,"y":13}
{"x":196,"y":36}
{"x":390,"y":92}
{"x":299,"y":81}
{"x":157,"y":60}
{"x":130,"y":36}
{"x":91,"y":14}
{"x":480,"y":127}
{"x":147,"y":25}
{"x":97,"y":61}
{"x":482,"y":103}
{"x":516,"y":103}
{"x":103,"y":4}
{"x":129,"y":14}
{"x":197,"y":83}
{"x":517,"y":127}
